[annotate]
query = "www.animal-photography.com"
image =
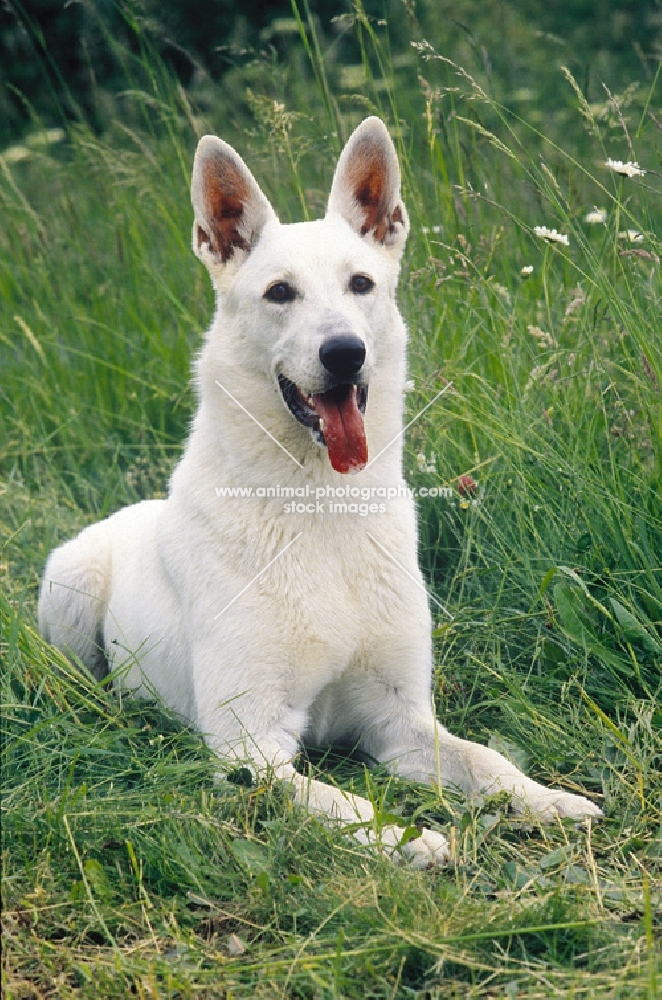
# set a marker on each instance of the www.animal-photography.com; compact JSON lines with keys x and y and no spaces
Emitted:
{"x":330,"y":517}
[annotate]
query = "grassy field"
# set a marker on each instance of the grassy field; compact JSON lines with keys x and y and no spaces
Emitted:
{"x":127,"y":871}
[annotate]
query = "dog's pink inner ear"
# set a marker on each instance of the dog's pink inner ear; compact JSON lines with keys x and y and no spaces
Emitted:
{"x":225,"y":194}
{"x":368,"y":178}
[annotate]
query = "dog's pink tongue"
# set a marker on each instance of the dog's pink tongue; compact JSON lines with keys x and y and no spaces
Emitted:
{"x":344,"y":432}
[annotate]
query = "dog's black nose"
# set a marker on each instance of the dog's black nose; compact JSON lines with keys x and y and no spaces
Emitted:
{"x":342,"y":355}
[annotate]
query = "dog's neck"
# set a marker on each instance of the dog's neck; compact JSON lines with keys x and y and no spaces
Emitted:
{"x":262,"y":446}
{"x":251,"y":448}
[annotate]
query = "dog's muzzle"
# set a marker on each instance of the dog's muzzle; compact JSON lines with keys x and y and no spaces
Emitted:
{"x":335,"y":417}
{"x":342,"y":355}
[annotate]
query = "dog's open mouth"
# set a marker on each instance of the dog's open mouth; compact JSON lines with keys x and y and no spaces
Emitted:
{"x":335,"y":418}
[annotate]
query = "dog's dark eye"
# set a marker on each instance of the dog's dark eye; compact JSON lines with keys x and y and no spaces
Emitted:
{"x":280,"y":291}
{"x":361,"y":284}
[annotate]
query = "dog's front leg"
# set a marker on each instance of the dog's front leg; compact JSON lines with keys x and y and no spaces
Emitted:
{"x":405,"y":735}
{"x":481,"y":771}
{"x":337,"y":806}
{"x":259,"y":729}
{"x":432,"y":754}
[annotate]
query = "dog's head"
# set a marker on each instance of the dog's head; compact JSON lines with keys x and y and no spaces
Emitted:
{"x":314,"y":301}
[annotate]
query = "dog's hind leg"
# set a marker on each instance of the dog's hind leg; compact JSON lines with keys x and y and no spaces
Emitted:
{"x":74,"y":596}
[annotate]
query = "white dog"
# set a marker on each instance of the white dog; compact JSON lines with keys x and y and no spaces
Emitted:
{"x":268,"y":624}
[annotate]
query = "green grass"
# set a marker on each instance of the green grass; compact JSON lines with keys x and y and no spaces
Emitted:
{"x":127,"y":871}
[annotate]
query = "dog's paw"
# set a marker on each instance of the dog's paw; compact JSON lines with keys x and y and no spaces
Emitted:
{"x":548,"y":805}
{"x":430,"y":850}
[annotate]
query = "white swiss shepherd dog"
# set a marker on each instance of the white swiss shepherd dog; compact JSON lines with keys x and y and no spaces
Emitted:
{"x":263,"y":626}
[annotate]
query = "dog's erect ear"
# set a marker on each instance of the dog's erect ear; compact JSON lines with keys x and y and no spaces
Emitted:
{"x":366,"y":187}
{"x":230,"y":210}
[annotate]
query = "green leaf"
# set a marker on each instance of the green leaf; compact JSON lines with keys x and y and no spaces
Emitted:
{"x":633,"y":629}
{"x":409,"y":833}
{"x":263,"y":882}
{"x":554,"y":858}
{"x":576,"y":626}
{"x":575,"y":875}
{"x":252,"y":855}
{"x":589,"y":596}
{"x":546,"y":580}
{"x":510,"y":870}
{"x":566,"y":603}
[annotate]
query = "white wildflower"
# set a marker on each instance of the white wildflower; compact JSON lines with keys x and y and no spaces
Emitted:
{"x":14,"y":154}
{"x":632,"y":236}
{"x":527,"y":271}
{"x":629,"y":169}
{"x":551,"y":235}
{"x":431,"y":229}
{"x":596,"y":216}
{"x":409,"y":385}
{"x":46,"y":137}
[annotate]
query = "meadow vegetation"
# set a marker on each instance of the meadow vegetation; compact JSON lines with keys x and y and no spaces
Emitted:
{"x":127,"y":870}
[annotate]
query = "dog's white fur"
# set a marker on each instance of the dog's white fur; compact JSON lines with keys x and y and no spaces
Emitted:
{"x":329,"y":638}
